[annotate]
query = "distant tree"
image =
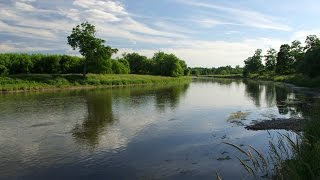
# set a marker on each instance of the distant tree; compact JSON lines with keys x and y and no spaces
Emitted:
{"x":168,"y":65}
{"x":136,"y":62}
{"x":254,"y":64}
{"x":270,"y":59}
{"x":83,"y":37}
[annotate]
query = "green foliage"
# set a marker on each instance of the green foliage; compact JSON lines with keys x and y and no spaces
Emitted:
{"x":3,"y":70}
{"x":97,"y":55}
{"x":253,"y":64}
{"x":168,"y":65}
{"x":223,"y":70}
{"x":270,"y":59}
{"x":20,"y":64}
{"x":45,"y":81}
{"x":138,"y":64}
{"x":161,"y":64}
{"x":311,"y":64}
{"x":40,"y":64}
{"x":119,"y":67}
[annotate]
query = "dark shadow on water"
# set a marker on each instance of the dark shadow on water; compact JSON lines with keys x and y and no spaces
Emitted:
{"x":99,"y":115}
{"x":253,"y":91}
{"x":100,"y":112}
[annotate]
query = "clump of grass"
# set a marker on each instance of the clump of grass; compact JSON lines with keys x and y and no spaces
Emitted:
{"x":272,"y":165}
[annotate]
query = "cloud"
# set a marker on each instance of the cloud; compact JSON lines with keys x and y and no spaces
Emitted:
{"x":244,"y":17}
{"x":24,"y":6}
{"x":212,"y":53}
{"x":12,"y":47}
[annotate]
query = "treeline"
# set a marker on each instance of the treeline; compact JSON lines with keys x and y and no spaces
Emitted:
{"x":160,"y":64}
{"x":290,"y":59}
{"x":223,"y":70}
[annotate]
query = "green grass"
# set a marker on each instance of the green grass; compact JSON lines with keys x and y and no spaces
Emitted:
{"x":289,"y":157}
{"x":295,"y":79}
{"x":31,"y":82}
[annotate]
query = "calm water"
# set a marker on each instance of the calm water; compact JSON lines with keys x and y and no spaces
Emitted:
{"x":173,"y":132}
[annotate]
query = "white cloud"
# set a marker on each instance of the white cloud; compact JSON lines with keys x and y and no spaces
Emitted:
{"x":26,"y":32}
{"x":213,"y":53}
{"x":9,"y":47}
{"x":24,"y":6}
{"x":244,"y":17}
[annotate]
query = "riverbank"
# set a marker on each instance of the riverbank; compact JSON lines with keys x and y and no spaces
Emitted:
{"x":37,"y":82}
{"x":295,"y":79}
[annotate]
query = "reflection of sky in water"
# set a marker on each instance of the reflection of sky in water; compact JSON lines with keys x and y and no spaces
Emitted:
{"x":142,"y":132}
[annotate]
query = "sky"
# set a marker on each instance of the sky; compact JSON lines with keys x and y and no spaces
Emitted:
{"x":204,"y":33}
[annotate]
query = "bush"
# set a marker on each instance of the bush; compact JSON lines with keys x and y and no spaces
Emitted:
{"x":3,"y":70}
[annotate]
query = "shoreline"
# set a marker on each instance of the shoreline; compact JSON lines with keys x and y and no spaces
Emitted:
{"x":296,"y":79}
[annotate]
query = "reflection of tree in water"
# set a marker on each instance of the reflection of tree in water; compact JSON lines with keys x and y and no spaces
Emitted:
{"x":281,"y":98}
{"x":270,"y":95}
{"x":253,"y":90}
{"x":99,"y":106}
{"x":170,"y":96}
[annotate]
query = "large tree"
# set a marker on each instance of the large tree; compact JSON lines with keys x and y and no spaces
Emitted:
{"x":311,"y":62}
{"x":97,"y":55}
{"x":284,"y":60}
{"x":253,"y":64}
{"x":270,"y":59}
{"x":297,"y":55}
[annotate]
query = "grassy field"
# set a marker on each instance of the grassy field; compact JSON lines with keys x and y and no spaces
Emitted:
{"x":32,"y":82}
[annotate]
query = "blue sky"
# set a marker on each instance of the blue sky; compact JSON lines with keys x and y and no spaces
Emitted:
{"x":204,"y":33}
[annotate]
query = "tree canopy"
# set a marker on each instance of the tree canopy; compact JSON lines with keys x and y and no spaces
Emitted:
{"x":97,"y":55}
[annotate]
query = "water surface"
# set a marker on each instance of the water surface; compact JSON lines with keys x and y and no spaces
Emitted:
{"x":165,"y":132}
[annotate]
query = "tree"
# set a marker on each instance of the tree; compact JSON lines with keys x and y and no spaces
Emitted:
{"x":253,"y":64}
{"x":137,"y":63}
{"x":169,"y":65}
{"x":311,"y":63}
{"x":284,"y":60}
{"x":297,"y":55}
{"x":270,"y":59}
{"x":312,"y":41}
{"x":83,"y":37}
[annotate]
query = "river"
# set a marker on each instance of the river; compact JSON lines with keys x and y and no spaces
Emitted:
{"x":146,"y":132}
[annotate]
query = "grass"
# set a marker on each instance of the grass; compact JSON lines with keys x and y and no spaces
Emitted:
{"x":296,"y":79}
{"x":31,"y":82}
{"x":288,"y":158}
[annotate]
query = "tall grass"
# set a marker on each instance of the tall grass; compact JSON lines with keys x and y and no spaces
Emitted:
{"x":289,"y":157}
{"x":45,"y":81}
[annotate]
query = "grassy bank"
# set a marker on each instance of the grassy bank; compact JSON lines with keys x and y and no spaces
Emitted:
{"x":295,"y":79}
{"x":32,"y":82}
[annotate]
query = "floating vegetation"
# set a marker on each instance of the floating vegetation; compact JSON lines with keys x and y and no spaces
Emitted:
{"x":237,"y":117}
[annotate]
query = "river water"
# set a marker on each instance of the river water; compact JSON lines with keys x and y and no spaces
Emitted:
{"x":158,"y":132}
